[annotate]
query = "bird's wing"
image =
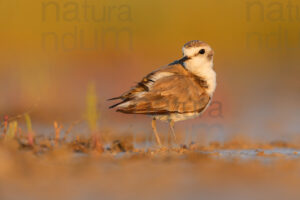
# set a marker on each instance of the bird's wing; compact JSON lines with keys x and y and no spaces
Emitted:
{"x":146,"y":84}
{"x":178,"y":92}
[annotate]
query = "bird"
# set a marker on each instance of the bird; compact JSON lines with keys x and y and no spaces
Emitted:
{"x":178,"y":91}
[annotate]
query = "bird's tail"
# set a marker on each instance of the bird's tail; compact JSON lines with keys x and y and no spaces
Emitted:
{"x":117,"y":104}
{"x":115,"y":98}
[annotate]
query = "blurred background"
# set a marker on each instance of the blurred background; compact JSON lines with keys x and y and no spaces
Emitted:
{"x":61,"y":59}
{"x":52,"y":50}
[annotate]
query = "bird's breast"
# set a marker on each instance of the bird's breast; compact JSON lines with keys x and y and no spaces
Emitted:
{"x":177,"y":116}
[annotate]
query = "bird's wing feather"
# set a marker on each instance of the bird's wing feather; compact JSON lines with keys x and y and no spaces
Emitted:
{"x":176,"y":93}
{"x":145,"y":85}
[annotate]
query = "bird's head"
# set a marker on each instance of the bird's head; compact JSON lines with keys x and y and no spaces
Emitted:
{"x":198,"y":59}
{"x":198,"y":52}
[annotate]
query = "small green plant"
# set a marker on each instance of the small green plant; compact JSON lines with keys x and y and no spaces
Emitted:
{"x":12,"y":130}
{"x":92,"y":113}
{"x":28,"y":122}
{"x":92,"y":117}
{"x":29,"y":129}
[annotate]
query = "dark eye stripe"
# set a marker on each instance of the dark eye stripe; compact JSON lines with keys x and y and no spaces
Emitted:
{"x":202,"y":51}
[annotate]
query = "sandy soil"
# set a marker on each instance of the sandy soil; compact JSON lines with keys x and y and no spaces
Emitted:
{"x":95,"y":168}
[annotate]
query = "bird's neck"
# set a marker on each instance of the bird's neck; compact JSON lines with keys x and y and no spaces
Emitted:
{"x":204,"y":70}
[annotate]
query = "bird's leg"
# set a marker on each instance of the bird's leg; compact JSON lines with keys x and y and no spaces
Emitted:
{"x":155,"y":131}
{"x":171,"y":125}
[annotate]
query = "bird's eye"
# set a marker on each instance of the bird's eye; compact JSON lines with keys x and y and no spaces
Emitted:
{"x":202,"y":51}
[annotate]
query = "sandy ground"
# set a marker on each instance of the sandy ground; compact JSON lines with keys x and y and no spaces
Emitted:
{"x":88,"y":169}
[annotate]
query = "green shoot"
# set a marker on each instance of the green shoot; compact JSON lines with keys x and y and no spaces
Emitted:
{"x":12,"y":130}
{"x":29,"y":129}
{"x":92,"y":113}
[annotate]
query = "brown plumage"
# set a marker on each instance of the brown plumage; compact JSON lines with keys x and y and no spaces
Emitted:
{"x":179,"y":91}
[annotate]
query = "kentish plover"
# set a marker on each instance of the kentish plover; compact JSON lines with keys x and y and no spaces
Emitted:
{"x":179,"y":91}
